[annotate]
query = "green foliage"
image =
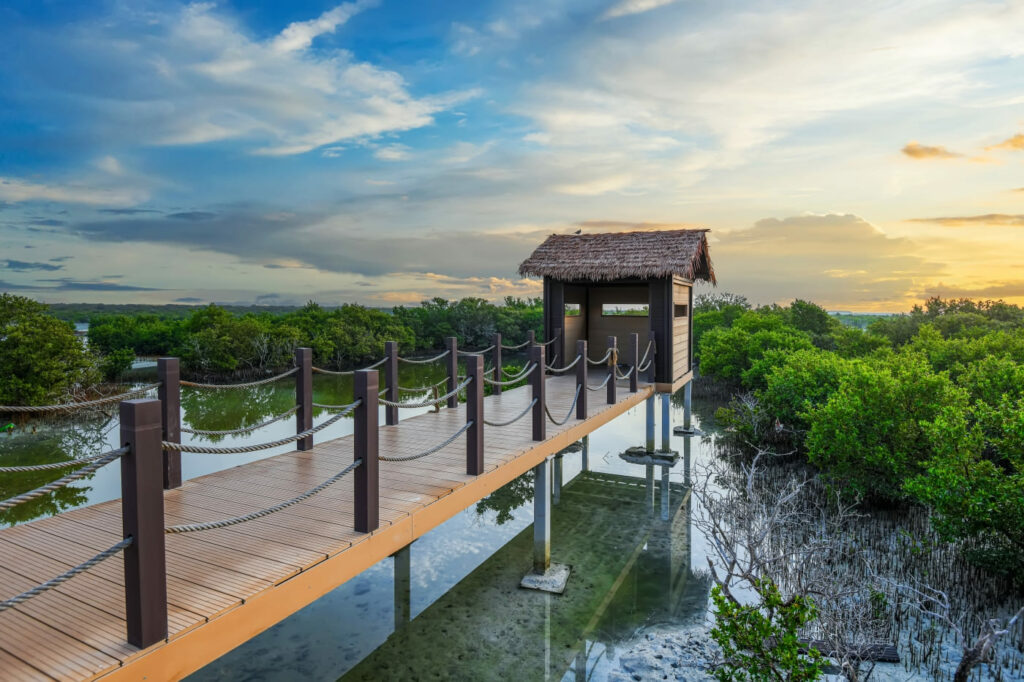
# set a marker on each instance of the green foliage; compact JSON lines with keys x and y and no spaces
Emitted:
{"x":760,"y":641}
{"x":41,"y":359}
{"x":114,"y":365}
{"x":871,"y":433}
{"x":802,"y":382}
{"x":747,"y":351}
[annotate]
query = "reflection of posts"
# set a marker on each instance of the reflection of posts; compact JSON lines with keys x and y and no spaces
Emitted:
{"x":586,"y":452}
{"x":542,"y":517}
{"x":403,"y":586}
{"x":649,"y":490}
{"x":650,"y":422}
{"x":665,"y":494}
{"x":686,"y":463}
{"x":556,"y":490}
{"x":666,"y":422}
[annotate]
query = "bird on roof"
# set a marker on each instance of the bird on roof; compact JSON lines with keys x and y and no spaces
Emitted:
{"x":579,"y":231}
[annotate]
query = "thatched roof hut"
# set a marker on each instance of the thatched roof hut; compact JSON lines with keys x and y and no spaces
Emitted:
{"x":623,"y":255}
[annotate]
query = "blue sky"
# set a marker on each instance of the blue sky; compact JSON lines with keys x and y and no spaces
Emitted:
{"x":864,"y":156}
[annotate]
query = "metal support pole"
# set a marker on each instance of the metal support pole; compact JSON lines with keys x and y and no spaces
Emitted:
{"x":581,"y":379}
{"x":452,"y":344}
{"x":542,"y":516}
{"x":666,"y":421}
{"x":651,"y":369}
{"x":304,"y":396}
{"x":634,"y":359}
{"x":613,"y":363}
{"x":403,"y":586}
{"x":686,"y":462}
{"x":475,"y":415}
{"x":142,"y":517}
{"x":169,"y":374}
{"x":649,"y":486}
{"x":687,"y":405}
{"x":391,"y":380}
{"x":649,"y":404}
{"x":586,"y":452}
{"x":537,"y":389}
{"x":496,"y":359}
{"x":365,"y":447}
{"x":556,"y":488}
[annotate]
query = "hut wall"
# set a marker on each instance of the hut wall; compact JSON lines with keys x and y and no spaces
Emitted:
{"x":621,"y":326}
{"x":662,"y":322}
{"x":682,"y":300}
{"x":574,"y":326}
{"x":554,"y":317}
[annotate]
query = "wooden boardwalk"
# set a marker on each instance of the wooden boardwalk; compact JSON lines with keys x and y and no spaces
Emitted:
{"x":226,"y":585}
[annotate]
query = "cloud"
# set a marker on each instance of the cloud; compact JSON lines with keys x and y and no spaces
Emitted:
{"x":392,"y":152}
{"x":194,"y":75}
{"x":830,"y":259}
{"x":188,"y":299}
{"x":192,"y":216}
{"x":627,"y":7}
{"x":1007,"y":289}
{"x":61,"y":259}
{"x":68,"y":284}
{"x":986,"y":219}
{"x":17,"y":190}
{"x":24,"y":266}
{"x":267,"y":297}
{"x":127,"y":211}
{"x":920,"y":151}
{"x":1015,"y":143}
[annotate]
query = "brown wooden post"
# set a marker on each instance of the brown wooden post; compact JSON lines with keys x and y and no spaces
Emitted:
{"x":475,"y":414}
{"x":496,"y":358}
{"x":452,"y":344}
{"x":391,"y":379}
{"x":634,"y":359}
{"x":531,"y":336}
{"x":613,"y":346}
{"x":142,"y":516}
{"x":537,"y":389}
{"x":169,"y":394}
{"x":304,"y":396}
{"x":365,"y":447}
{"x":651,"y":356}
{"x":581,"y":379}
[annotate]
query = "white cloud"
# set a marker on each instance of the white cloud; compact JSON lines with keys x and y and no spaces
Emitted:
{"x":626,"y":7}
{"x":17,"y":190}
{"x":300,"y":34}
{"x":393,"y":152}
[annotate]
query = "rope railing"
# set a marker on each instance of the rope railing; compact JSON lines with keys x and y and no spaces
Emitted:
{"x":620,"y":375}
{"x":243,"y":449}
{"x":65,"y":576}
{"x":425,"y":361}
{"x":514,"y":419}
{"x":347,"y":373}
{"x":601,"y":385}
{"x":78,"y":405}
{"x":601,"y":361}
{"x":346,"y":408}
{"x":476,"y":352}
{"x":567,"y":367}
{"x":224,"y":523}
{"x":101,"y":461}
{"x":572,"y":408}
{"x":524,"y":344}
{"x":551,"y":367}
{"x":508,"y":382}
{"x":647,"y":351}
{"x":643,"y":367}
{"x":549,"y":341}
{"x":428,"y":403}
{"x":246,"y":429}
{"x":53,"y":465}
{"x":448,"y":441}
{"x":422,"y":389}
{"x":248,"y":384}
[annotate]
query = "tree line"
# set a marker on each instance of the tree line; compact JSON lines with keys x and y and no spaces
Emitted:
{"x":925,"y":408}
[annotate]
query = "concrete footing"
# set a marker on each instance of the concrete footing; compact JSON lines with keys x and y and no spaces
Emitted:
{"x":552,"y":580}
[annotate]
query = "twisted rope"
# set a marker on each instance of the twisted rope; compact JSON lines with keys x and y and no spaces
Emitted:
{"x":567,"y":367}
{"x":224,"y":523}
{"x":513,"y":380}
{"x":552,"y":365}
{"x":78,"y":406}
{"x":65,"y":576}
{"x":247,"y":429}
{"x":347,"y":373}
{"x":477,"y":352}
{"x":423,"y":389}
{"x":218,"y":387}
{"x":524,"y":344}
{"x":181,"y":447}
{"x":347,"y":408}
{"x":619,"y":375}
{"x":602,"y":384}
{"x":54,"y":465}
{"x":572,"y":408}
{"x":431,"y":402}
{"x":643,"y":368}
{"x":549,"y":341}
{"x":432,"y":450}
{"x":603,"y":360}
{"x":100,"y":461}
{"x":514,"y":419}
{"x":647,"y":352}
{"x":427,"y":361}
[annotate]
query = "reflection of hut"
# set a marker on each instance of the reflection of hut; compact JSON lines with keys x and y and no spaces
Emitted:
{"x":616,"y":284}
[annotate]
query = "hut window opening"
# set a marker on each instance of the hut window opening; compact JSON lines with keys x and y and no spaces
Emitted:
{"x":624,"y":310}
{"x":681,"y":310}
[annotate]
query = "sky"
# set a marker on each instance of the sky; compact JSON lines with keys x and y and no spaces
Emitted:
{"x":863,"y":155}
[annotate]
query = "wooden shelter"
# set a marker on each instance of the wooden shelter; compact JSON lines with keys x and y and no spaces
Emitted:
{"x":616,"y":284}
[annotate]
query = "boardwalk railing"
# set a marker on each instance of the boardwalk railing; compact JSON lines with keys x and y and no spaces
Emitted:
{"x":151,"y":452}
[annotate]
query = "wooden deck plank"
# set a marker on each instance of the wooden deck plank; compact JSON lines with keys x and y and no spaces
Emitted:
{"x":227,"y":584}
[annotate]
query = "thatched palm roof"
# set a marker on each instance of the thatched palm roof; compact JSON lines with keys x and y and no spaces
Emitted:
{"x":622,"y":255}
